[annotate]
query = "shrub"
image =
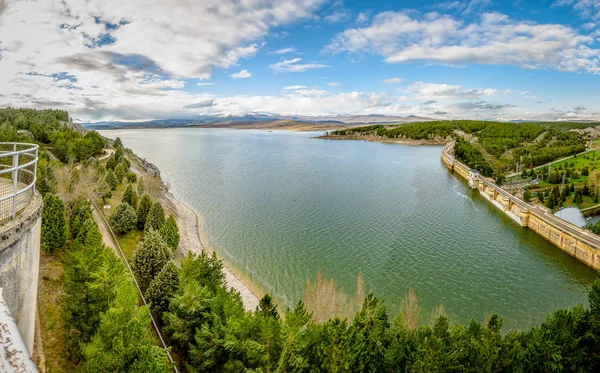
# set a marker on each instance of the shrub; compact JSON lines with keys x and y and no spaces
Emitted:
{"x":123,"y":219}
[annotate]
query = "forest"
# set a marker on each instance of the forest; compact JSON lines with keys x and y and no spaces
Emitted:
{"x":531,"y":144}
{"x":106,"y":328}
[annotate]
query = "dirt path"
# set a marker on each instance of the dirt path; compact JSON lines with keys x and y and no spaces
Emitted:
{"x":107,"y":238}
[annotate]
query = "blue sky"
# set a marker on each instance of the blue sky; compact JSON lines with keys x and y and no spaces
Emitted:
{"x":148,"y":59}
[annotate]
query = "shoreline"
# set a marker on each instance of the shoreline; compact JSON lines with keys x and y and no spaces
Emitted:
{"x":193,"y":239}
{"x":411,"y":142}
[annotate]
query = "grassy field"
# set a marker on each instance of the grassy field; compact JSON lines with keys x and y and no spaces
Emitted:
{"x":129,"y":241}
{"x":51,"y":314}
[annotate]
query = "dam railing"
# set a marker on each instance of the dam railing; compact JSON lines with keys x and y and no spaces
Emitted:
{"x":18,"y":167}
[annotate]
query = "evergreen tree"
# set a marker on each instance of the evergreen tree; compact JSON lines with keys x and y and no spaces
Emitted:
{"x":267,"y":308}
{"x":155,"y":218}
{"x":54,"y":223}
{"x":91,"y":276}
{"x":123,"y":219}
{"x":117,"y":143}
{"x":111,"y":179}
{"x":80,"y":212}
{"x":123,"y":341}
{"x":142,"y":212}
{"x":120,"y":172}
{"x":149,"y":258}
{"x":170,"y":233}
{"x":586,"y":190}
{"x":89,"y":234}
{"x":130,"y":197}
{"x":541,"y":197}
{"x":119,"y":153}
{"x":111,"y":162}
{"x":163,"y":287}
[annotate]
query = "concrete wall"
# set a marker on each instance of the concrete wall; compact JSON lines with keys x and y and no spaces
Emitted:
{"x":573,"y":240}
{"x":19,"y":267}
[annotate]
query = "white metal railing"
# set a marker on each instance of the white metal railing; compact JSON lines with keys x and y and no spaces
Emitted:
{"x":18,"y":167}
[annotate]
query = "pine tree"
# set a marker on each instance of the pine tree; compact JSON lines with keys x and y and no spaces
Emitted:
{"x":54,"y":223}
{"x":118,"y":143}
{"x":111,"y":179}
{"x":163,"y":287}
{"x":143,"y":209}
{"x":170,"y":233}
{"x":123,"y":219}
{"x":111,"y":163}
{"x":155,"y":218}
{"x":119,"y":153}
{"x":120,"y":172}
{"x":130,"y":197}
{"x":89,"y":234}
{"x":80,"y":212}
{"x":123,"y":341}
{"x":149,"y":258}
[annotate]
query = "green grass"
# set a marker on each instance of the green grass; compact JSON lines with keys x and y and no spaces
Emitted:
{"x":129,"y":242}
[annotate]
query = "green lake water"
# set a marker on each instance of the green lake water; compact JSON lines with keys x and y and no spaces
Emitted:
{"x":280,"y":206}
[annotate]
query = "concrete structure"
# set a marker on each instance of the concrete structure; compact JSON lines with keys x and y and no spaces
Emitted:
{"x":20,"y":230}
{"x":14,"y":357}
{"x":577,"y":242}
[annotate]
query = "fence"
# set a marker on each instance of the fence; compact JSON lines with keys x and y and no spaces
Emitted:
{"x":18,"y":166}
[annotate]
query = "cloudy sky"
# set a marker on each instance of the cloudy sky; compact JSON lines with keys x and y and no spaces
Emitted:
{"x":148,"y":59}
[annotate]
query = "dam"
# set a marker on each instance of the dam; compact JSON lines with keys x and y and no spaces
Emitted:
{"x":577,"y":242}
{"x":20,"y":230}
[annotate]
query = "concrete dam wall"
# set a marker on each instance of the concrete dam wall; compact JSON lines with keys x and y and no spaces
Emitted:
{"x":19,"y":266}
{"x":577,"y":242}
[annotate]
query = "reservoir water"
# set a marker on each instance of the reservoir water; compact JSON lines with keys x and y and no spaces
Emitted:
{"x":280,"y":205}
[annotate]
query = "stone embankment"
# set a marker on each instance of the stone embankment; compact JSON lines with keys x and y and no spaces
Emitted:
{"x":577,"y":242}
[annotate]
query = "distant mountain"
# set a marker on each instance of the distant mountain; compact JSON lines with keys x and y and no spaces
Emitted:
{"x":248,"y":120}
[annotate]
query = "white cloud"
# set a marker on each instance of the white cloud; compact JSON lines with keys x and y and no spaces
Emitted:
{"x":432,"y":91}
{"x":285,"y":50}
{"x":589,"y":26}
{"x":393,"y":80}
{"x":294,"y":65}
{"x":204,"y":84}
{"x":495,"y":39}
{"x":333,"y":84}
{"x":586,"y":8}
{"x":241,"y":75}
{"x":294,"y":87}
{"x":363,"y":17}
{"x":94,"y":57}
{"x":337,"y":16}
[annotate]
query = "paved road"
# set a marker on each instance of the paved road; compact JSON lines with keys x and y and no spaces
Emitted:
{"x":593,"y":239}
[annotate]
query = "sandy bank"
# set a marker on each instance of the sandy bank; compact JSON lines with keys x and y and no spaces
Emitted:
{"x":190,"y":227}
{"x":191,"y":231}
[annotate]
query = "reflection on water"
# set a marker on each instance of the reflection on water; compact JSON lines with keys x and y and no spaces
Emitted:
{"x":280,"y":206}
{"x":575,"y":217}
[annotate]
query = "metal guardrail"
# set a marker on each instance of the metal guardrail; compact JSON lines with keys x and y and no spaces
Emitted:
{"x":18,"y":167}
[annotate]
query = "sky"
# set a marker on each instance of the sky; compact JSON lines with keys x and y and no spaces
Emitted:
{"x":154,"y":59}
